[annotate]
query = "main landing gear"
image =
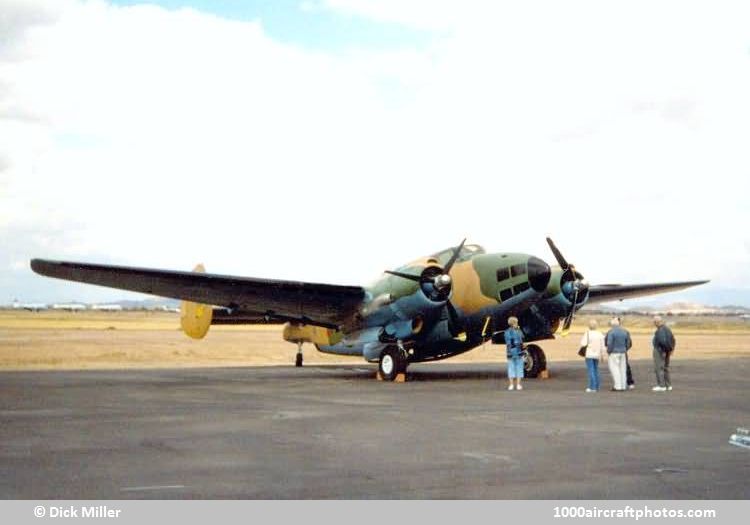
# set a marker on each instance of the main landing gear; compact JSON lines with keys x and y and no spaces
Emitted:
{"x":534,"y":361}
{"x":393,"y":363}
{"x":298,"y":359}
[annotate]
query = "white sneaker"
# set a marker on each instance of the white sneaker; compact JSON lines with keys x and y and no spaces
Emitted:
{"x":659,"y":388}
{"x":590,"y":390}
{"x":631,"y":387}
{"x":519,"y":387}
{"x":669,"y":388}
{"x":510,"y":387}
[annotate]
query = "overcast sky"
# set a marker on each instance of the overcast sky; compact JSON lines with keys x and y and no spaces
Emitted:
{"x":329,"y":140}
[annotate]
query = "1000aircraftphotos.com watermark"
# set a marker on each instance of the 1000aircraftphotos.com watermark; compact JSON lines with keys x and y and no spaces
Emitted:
{"x":644,"y":512}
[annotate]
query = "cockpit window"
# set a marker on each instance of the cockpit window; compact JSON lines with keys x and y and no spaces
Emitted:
{"x":473,"y":249}
{"x":467,"y":252}
{"x":518,"y":269}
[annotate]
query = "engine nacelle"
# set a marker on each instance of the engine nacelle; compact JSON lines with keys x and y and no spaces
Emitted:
{"x":558,"y":300}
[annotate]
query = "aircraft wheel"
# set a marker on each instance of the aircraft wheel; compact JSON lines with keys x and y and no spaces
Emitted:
{"x":534,"y":362}
{"x":392,"y":363}
{"x":298,"y":360}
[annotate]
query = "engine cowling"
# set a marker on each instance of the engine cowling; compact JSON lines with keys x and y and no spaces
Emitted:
{"x":418,"y":292}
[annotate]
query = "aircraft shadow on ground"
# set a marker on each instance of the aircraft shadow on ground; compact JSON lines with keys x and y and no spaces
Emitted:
{"x":422,"y":373}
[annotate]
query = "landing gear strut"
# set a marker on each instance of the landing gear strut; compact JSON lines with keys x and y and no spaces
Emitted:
{"x":298,"y":359}
{"x":393,"y":361}
{"x":534,"y":361}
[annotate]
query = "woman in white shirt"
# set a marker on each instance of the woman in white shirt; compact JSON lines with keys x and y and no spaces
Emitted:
{"x":596,"y":349}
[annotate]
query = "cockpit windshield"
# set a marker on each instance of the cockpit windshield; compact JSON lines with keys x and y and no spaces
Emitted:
{"x":467,"y":252}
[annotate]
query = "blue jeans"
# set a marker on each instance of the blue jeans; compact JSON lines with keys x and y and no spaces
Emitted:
{"x":515,"y":367}
{"x":592,"y":365}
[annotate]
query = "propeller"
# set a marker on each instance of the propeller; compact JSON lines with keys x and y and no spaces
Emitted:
{"x":436,"y":283}
{"x":579,"y":284}
{"x":455,"y":321}
{"x":569,"y":317}
{"x":454,"y":257}
{"x":561,"y":261}
{"x":416,"y":278}
{"x":439,"y":278}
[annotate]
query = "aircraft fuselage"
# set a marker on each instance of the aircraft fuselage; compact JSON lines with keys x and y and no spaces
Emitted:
{"x":486,"y":290}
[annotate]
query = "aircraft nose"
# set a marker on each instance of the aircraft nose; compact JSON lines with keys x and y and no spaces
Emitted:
{"x":539,"y":274}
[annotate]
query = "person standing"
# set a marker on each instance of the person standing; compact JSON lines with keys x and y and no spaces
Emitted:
{"x":629,"y":371}
{"x":514,"y":352}
{"x":593,"y":340}
{"x":618,"y":343}
{"x":664,"y":344}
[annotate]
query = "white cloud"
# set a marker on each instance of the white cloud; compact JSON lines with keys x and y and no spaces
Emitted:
{"x":156,"y":137}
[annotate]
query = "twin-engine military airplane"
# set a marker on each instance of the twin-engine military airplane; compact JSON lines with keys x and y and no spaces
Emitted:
{"x":432,"y":308}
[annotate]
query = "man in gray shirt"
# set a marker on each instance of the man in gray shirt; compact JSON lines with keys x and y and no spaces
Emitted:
{"x":618,"y":343}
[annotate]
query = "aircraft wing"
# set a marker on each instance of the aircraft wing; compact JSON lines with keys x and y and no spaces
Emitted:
{"x":617,"y":292}
{"x":265,"y":299}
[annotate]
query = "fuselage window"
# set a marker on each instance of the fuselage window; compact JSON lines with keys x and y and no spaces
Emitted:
{"x":518,"y":269}
{"x":506,"y":294}
{"x":521,"y":287}
{"x":502,"y":274}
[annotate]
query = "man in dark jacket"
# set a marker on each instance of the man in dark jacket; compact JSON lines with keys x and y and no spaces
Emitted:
{"x":664,"y":345}
{"x":628,"y":370}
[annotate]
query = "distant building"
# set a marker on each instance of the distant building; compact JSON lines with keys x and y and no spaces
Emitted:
{"x":69,"y":307}
{"x":107,"y":307}
{"x":31,"y":307}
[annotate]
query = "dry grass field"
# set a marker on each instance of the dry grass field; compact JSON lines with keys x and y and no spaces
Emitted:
{"x":95,"y":340}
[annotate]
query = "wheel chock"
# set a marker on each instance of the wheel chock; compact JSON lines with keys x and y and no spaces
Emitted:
{"x":544,"y":374}
{"x":400,"y":378}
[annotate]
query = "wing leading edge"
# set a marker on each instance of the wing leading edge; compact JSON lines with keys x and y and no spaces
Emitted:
{"x":321,"y":304}
{"x":617,"y":292}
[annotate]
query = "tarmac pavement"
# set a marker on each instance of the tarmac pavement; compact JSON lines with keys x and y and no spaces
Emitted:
{"x":451,"y":431}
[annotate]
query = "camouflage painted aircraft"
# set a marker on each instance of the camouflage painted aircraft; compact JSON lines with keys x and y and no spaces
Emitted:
{"x":433,"y":308}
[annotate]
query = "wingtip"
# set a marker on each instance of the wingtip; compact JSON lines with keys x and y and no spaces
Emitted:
{"x":35,"y":264}
{"x":41,"y":266}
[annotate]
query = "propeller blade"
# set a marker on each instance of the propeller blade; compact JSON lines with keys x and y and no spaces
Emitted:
{"x":569,"y":318}
{"x":455,"y":322}
{"x":453,"y":314}
{"x":486,"y":326}
{"x":567,"y":323}
{"x":416,"y":278}
{"x":559,"y":256}
{"x":452,"y":260}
